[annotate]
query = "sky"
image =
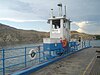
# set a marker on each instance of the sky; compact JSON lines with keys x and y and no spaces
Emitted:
{"x":33,"y":14}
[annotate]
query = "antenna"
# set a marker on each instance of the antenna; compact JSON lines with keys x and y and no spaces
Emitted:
{"x":51,"y":13}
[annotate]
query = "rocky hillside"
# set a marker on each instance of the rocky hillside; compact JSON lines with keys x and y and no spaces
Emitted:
{"x":12,"y":35}
{"x":76,"y":35}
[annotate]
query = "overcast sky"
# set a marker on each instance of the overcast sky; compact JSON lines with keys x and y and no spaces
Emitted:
{"x":33,"y":14}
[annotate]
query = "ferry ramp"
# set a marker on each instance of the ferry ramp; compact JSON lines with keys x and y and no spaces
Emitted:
{"x":83,"y":62}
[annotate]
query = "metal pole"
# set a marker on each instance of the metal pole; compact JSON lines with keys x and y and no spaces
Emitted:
{"x":51,"y":13}
{"x":68,"y":48}
{"x":3,"y":60}
{"x":25,"y":58}
{"x":82,"y":44}
{"x":39,"y":54}
{"x":50,"y":54}
{"x":89,"y":43}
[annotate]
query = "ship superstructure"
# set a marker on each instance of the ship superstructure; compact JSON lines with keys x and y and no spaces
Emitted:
{"x":59,"y":31}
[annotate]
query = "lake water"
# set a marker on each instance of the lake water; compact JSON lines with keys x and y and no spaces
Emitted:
{"x":19,"y":45}
{"x":95,"y":43}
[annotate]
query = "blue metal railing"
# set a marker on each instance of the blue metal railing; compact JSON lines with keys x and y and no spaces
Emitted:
{"x":15,"y":59}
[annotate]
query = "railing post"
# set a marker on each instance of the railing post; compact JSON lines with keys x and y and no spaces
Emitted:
{"x":49,"y":54}
{"x":25,"y":57}
{"x":68,"y":48}
{"x":43,"y":55}
{"x":3,"y":60}
{"x":89,"y":43}
{"x":39,"y":54}
{"x":82,"y":44}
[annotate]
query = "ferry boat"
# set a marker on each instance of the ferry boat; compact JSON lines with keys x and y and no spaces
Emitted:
{"x":23,"y":61}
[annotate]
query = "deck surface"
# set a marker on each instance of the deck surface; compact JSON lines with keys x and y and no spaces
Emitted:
{"x":80,"y":63}
{"x":96,"y":68}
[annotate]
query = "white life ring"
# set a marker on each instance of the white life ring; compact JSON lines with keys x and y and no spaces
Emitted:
{"x":32,"y":53}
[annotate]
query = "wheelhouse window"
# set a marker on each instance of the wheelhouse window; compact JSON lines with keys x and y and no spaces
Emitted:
{"x":56,"y":24}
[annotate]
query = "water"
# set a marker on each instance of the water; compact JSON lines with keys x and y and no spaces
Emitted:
{"x":95,"y":43}
{"x":20,"y":45}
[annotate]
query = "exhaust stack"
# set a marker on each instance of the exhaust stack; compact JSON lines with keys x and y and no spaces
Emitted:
{"x":60,"y":9}
{"x":65,"y":12}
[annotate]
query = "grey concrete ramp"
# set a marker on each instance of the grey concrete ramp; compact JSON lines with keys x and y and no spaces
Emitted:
{"x":96,"y":68}
{"x":79,"y":63}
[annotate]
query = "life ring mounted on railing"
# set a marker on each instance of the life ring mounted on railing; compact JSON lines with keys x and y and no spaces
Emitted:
{"x":64,"y":42}
{"x":32,"y":53}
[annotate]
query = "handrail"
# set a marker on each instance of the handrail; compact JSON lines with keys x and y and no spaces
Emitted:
{"x":41,"y":56}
